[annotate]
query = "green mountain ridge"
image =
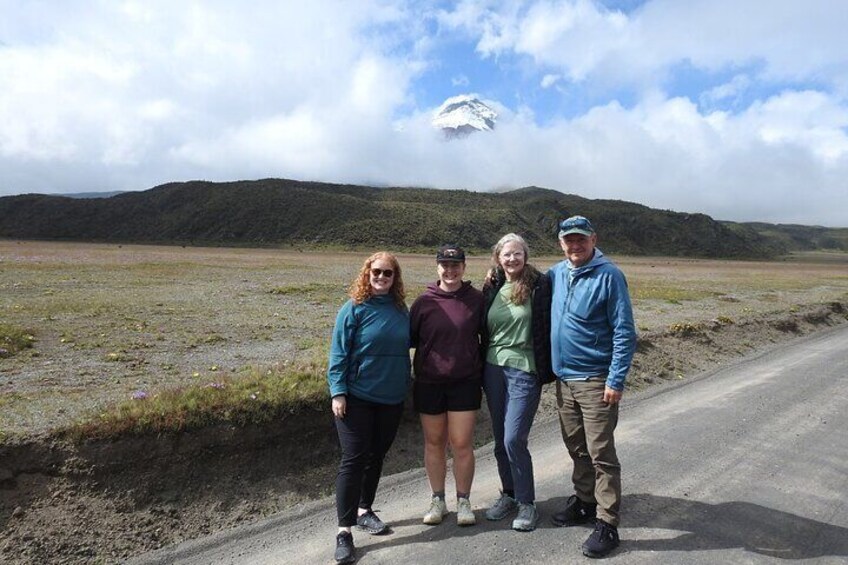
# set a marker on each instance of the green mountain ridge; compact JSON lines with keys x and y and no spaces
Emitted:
{"x":280,"y":212}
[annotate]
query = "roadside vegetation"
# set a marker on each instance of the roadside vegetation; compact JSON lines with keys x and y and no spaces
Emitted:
{"x":255,"y":396}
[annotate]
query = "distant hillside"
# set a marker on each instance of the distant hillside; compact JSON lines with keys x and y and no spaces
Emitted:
{"x":92,"y":194}
{"x":791,"y":237}
{"x":276,"y":212}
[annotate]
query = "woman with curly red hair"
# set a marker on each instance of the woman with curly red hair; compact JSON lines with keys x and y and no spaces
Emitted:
{"x":368,"y":375}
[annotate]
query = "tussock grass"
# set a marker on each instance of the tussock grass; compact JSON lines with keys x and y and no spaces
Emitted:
{"x":685,"y":329}
{"x":13,"y":340}
{"x":256,"y":395}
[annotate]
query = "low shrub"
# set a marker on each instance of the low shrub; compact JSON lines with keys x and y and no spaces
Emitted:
{"x":13,"y":340}
{"x":684,"y":329}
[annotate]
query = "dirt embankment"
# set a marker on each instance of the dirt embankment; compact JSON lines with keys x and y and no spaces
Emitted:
{"x":103,"y":502}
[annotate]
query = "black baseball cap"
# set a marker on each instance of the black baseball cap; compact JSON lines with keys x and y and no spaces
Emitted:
{"x":450,"y":253}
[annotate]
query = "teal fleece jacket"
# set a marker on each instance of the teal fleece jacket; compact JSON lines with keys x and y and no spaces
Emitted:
{"x":592,"y":328}
{"x":369,"y":353}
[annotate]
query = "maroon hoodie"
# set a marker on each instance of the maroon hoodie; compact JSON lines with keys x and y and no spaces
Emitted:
{"x":445,"y":332}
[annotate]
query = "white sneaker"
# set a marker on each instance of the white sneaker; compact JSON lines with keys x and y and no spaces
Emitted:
{"x":438,"y":510}
{"x":464,"y":514}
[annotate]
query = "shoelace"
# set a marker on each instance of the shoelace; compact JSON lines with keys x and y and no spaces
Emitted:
{"x":603,"y":530}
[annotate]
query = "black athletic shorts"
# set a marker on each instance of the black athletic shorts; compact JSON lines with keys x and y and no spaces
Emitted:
{"x":438,"y":398}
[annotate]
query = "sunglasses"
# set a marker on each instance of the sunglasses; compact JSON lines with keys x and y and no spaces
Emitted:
{"x":388,"y":273}
{"x":579,"y":222}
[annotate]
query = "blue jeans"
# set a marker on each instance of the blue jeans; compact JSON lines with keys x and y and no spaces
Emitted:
{"x":513,"y":398}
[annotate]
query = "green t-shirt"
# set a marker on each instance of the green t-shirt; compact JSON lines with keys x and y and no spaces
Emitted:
{"x":510,"y":333}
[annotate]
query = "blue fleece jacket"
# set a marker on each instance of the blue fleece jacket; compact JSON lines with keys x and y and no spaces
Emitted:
{"x":592,"y":329}
{"x":369,"y":353}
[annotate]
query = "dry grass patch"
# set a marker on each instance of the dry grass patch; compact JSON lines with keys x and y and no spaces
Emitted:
{"x":652,"y":290}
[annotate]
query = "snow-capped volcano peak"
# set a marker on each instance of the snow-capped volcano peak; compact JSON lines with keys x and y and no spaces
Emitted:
{"x":461,"y":115}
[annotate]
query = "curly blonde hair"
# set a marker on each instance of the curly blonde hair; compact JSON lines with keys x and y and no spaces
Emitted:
{"x":496,"y":275}
{"x":360,"y":289}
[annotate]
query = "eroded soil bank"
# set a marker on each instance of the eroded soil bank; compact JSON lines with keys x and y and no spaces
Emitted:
{"x":103,"y":502}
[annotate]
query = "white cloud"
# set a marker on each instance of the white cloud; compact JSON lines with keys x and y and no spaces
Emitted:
{"x":662,"y":153}
{"x":729,"y":90}
{"x":460,"y":81}
{"x":810,"y":121}
{"x":585,"y":41}
{"x":550,"y":80}
{"x":125,"y":84}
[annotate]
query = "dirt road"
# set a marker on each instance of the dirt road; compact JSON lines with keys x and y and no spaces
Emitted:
{"x":745,"y":464}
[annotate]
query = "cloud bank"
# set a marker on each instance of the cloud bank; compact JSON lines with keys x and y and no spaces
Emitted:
{"x":737,"y":110}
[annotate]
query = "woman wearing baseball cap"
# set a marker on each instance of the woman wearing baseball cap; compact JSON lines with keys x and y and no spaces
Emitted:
{"x":445,"y":325}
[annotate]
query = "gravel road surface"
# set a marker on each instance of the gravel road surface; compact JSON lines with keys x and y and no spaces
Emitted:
{"x":747,"y":464}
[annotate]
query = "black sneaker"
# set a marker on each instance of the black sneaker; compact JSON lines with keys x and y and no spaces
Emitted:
{"x":371,"y":524}
{"x":576,"y":512}
{"x":345,"y":552}
{"x":603,"y":540}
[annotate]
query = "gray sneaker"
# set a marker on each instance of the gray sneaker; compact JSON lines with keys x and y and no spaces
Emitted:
{"x":527,"y":517}
{"x":502,"y":508}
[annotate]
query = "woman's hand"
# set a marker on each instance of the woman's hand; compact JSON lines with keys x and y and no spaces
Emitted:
{"x":339,"y":406}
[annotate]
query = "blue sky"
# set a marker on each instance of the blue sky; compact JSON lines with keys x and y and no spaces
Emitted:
{"x":734,"y":109}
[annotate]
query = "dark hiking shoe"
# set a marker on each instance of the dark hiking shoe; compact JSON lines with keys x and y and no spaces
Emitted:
{"x":371,"y":524}
{"x":603,"y":540}
{"x":576,"y":512}
{"x":345,"y":552}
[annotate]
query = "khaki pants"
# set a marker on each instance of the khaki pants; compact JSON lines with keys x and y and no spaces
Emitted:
{"x":587,"y":425}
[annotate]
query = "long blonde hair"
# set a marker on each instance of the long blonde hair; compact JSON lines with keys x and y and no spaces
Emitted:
{"x":496,"y":275}
{"x":360,"y":289}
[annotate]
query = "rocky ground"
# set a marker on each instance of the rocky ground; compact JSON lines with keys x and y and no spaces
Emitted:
{"x":101,"y":502}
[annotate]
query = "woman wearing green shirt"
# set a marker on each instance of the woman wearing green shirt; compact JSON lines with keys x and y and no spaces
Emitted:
{"x":518,"y":302}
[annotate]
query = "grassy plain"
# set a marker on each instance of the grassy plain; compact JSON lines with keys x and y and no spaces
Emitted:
{"x":130,"y":337}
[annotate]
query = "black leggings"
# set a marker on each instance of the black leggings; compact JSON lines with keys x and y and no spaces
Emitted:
{"x":365,"y":433}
